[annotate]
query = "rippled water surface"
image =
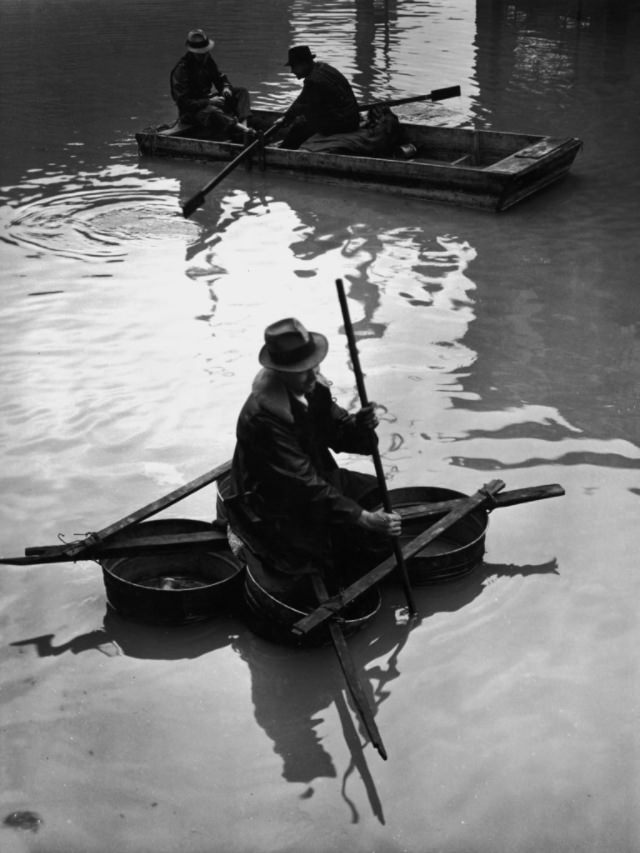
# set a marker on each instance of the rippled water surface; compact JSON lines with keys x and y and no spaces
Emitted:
{"x":497,"y":347}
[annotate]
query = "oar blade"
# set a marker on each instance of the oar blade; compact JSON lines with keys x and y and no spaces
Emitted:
{"x":442,"y":94}
{"x":191,"y":205}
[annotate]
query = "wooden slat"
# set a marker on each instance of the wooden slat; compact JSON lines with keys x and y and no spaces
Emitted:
{"x":511,"y":498}
{"x":73,"y":549}
{"x":326,"y":611}
{"x":125,"y":547}
{"x":350,"y":673}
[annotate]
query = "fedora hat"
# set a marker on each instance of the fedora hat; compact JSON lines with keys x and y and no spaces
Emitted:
{"x":300,"y":54}
{"x":197,"y":42}
{"x":289,"y":347}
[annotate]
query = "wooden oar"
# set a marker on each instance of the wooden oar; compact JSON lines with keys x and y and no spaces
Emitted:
{"x":436,"y":95}
{"x":349,"y":670}
{"x":192,"y":204}
{"x":74,"y":548}
{"x":362,"y":391}
{"x":335,"y":604}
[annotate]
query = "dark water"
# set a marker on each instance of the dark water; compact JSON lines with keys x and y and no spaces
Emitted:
{"x":499,"y":346}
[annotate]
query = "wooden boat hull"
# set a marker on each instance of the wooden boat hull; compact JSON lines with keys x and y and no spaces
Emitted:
{"x":483,"y":169}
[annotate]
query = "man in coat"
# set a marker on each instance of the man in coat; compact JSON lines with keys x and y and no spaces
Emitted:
{"x":286,"y":498}
{"x":326,"y":104}
{"x":203,"y":94}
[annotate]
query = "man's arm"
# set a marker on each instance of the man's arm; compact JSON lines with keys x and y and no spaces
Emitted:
{"x":290,"y":472}
{"x":220,"y":81}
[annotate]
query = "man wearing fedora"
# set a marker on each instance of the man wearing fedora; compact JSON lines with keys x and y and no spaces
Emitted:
{"x":193,"y":80}
{"x":326,"y":104}
{"x":286,"y":497}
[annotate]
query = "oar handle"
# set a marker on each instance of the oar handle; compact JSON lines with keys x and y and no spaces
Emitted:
{"x":377,"y":461}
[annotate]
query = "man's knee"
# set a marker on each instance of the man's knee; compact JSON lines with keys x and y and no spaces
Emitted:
{"x":214,"y":120}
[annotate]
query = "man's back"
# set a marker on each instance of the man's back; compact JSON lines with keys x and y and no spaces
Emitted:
{"x":191,"y":82}
{"x":330,"y":96}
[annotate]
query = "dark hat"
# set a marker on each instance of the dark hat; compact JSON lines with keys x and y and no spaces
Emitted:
{"x":300,"y":54}
{"x":197,"y":42}
{"x":289,"y":347}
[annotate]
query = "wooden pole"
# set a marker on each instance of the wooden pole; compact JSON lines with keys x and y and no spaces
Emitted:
{"x":386,"y":503}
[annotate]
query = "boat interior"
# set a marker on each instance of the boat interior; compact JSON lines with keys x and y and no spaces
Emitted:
{"x":462,"y":147}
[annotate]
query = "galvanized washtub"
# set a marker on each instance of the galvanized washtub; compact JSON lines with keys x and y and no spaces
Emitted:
{"x":171,"y":586}
{"x":274,"y":604}
{"x":454,"y":554}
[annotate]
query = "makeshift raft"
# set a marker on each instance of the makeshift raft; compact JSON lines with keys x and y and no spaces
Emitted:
{"x":174,"y":571}
{"x":180,"y":570}
{"x":486,"y":169}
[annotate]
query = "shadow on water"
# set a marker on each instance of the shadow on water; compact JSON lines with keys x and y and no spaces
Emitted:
{"x":290,"y":706}
{"x":292,"y":689}
{"x":119,"y":636}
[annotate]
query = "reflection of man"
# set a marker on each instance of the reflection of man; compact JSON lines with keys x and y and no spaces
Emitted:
{"x":288,"y":707}
{"x":204,"y":96}
{"x":326,"y":104}
{"x":287,"y":498}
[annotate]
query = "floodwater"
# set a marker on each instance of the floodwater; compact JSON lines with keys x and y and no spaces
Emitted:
{"x":498,"y":346}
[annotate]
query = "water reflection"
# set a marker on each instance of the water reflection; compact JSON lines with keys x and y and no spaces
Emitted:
{"x":536,"y":46}
{"x":262,"y":254}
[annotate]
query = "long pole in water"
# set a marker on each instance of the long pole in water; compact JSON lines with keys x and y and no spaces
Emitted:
{"x":382,"y":485}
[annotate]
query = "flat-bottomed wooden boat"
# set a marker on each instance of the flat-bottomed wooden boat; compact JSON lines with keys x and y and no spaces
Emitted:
{"x":483,"y":169}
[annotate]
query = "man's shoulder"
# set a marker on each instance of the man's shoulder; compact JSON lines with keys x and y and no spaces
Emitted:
{"x":324,"y":70}
{"x":268,"y":398}
{"x":182,"y":64}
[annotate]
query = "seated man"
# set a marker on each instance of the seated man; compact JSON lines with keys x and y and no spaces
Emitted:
{"x":193,"y":80}
{"x":326,"y":104}
{"x":286,"y":498}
